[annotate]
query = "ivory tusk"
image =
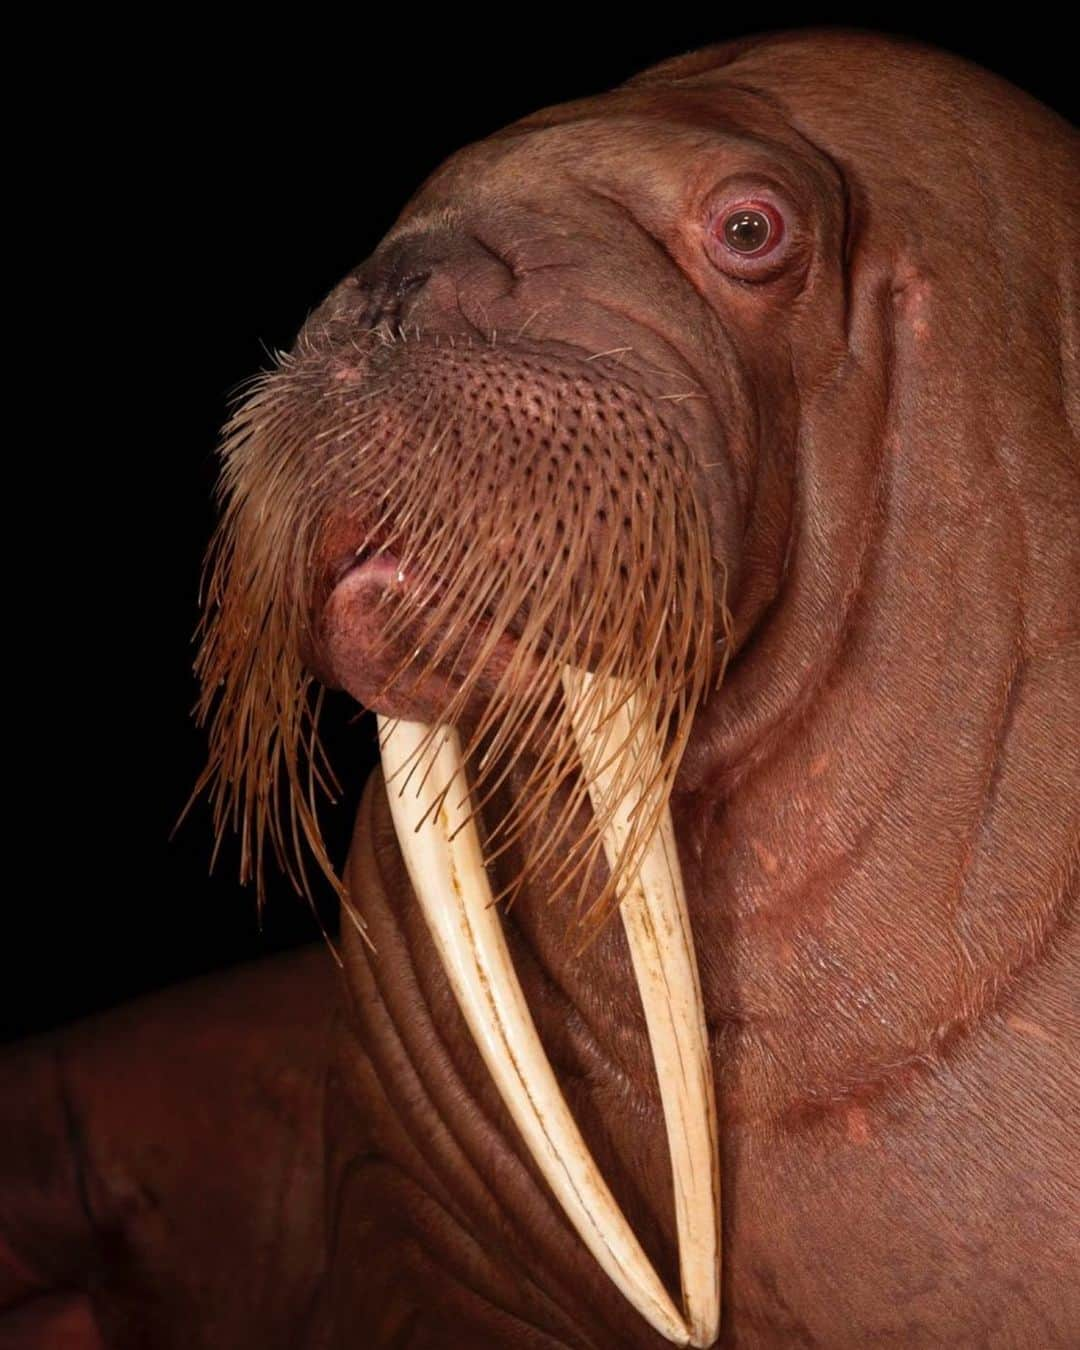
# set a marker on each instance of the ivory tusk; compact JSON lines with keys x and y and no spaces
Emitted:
{"x":655,"y":917}
{"x":445,"y":865}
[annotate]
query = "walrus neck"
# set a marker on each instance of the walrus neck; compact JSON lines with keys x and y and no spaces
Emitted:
{"x":875,"y":858}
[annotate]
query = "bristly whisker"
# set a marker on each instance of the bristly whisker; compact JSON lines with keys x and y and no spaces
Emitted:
{"x":513,"y":494}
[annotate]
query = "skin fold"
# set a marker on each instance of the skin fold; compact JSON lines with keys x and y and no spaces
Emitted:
{"x":876,"y":809}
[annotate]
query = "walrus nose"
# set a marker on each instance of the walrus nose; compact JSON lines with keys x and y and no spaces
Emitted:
{"x":433,"y":282}
{"x":386,"y":301}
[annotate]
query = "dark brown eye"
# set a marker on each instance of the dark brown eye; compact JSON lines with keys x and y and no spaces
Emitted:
{"x":747,"y":230}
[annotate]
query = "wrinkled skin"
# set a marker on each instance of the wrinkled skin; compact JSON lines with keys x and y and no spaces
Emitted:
{"x":876,"y":814}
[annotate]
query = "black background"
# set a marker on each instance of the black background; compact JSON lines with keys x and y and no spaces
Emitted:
{"x":217,"y":186}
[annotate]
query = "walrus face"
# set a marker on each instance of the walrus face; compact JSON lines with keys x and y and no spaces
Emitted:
{"x":529,"y":431}
{"x":506,"y":483}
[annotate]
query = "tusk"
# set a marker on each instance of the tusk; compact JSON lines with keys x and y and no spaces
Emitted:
{"x":653,"y":907}
{"x":446,"y":868}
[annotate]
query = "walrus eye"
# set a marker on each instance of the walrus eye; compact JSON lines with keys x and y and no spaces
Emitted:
{"x":747,"y":230}
{"x":746,"y":233}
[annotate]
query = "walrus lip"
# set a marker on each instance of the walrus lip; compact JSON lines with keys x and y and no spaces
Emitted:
{"x":433,"y":820}
{"x":397,"y":679}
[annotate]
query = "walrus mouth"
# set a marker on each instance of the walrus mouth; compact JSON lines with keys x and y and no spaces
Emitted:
{"x":402,"y":678}
{"x":533,"y":561}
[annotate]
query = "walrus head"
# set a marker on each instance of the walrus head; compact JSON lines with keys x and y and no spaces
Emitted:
{"x":607,"y":410}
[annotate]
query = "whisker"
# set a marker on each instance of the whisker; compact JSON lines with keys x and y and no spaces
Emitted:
{"x":539,"y":533}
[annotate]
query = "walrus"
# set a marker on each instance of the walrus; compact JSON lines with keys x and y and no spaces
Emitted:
{"x":689,"y":482}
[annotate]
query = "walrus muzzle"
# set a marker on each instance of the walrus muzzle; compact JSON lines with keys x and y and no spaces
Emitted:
{"x":499,"y":546}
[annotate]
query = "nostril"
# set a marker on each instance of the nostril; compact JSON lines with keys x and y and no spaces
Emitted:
{"x":386,"y":301}
{"x":412,"y":282}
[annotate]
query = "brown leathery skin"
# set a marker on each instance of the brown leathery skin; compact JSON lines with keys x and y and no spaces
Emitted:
{"x":897,"y":1210}
{"x":162,"y":1168}
{"x":877,"y":813}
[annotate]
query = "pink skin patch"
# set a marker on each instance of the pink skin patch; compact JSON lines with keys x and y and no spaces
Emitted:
{"x":767,"y":860}
{"x":858,"y":1125}
{"x":1025,"y":1027}
{"x":819,"y":764}
{"x":911,"y":297}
